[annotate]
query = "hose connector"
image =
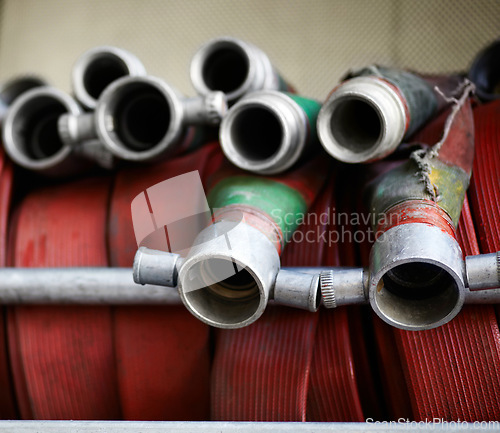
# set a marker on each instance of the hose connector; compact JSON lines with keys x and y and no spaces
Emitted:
{"x":234,"y":67}
{"x":366,"y":117}
{"x":98,"y":67}
{"x":483,"y":271}
{"x":31,"y":133}
{"x":416,"y":268}
{"x":143,"y":118}
{"x":344,"y":286}
{"x":267,"y":132}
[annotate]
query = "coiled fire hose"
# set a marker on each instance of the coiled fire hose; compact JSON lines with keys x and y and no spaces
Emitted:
{"x":162,"y":353}
{"x":451,"y":372}
{"x":62,"y":357}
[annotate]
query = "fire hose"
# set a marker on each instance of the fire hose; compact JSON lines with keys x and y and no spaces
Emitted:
{"x":245,"y":383}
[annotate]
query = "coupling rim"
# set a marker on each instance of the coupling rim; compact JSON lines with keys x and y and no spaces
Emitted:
{"x":263,"y":296}
{"x":366,"y":89}
{"x":294,"y":133}
{"x":105,"y":121}
{"x":376,"y":279}
{"x":11,"y":148}
{"x":132,"y":63}
{"x":206,"y":50}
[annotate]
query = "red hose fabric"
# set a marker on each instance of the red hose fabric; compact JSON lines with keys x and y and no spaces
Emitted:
{"x":8,"y":408}
{"x":261,"y":372}
{"x":484,"y":192}
{"x":333,"y":391}
{"x":289,"y":365}
{"x":162,"y":353}
{"x":62,"y":357}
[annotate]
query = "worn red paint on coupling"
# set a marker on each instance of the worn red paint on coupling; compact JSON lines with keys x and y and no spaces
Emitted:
{"x":416,"y":212}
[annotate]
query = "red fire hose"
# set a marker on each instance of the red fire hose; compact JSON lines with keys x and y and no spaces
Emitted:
{"x":162,"y":353}
{"x":62,"y":357}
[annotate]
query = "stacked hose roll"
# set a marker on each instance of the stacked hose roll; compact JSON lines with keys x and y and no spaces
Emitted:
{"x":62,"y":357}
{"x":162,"y":353}
{"x":430,"y":370}
{"x":290,"y":365}
{"x":8,"y":405}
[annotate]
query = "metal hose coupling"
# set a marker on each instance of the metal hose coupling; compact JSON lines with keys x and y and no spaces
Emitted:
{"x":97,"y":68}
{"x":33,"y":139}
{"x":143,"y":118}
{"x":232,"y":269}
{"x":11,"y":89}
{"x":229,"y":287}
{"x":367,"y":116}
{"x":268,"y":132}
{"x":234,"y":67}
{"x":417,"y":274}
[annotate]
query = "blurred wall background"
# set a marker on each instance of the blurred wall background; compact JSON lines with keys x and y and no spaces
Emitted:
{"x":312,"y":42}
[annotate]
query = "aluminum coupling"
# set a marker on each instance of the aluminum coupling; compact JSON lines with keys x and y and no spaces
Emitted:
{"x":363,"y":119}
{"x":143,"y":118}
{"x":225,"y":283}
{"x":234,"y":67}
{"x":31,"y":133}
{"x":97,"y":68}
{"x":268,"y":132}
{"x":416,"y":276}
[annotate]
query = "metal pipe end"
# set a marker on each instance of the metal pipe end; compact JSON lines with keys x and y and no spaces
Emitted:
{"x":30,"y":131}
{"x":232,"y":66}
{"x":364,"y":119}
{"x":266,"y":132}
{"x":155,"y":267}
{"x":416,"y":277}
{"x":98,"y":67}
{"x":298,"y":290}
{"x":140,"y":118}
{"x":483,"y":271}
{"x":228,"y":275}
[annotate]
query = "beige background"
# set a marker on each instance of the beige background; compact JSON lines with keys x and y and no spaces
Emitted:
{"x":312,"y":42}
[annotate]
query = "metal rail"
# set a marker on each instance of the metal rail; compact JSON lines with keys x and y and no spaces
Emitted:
{"x":115,"y":286}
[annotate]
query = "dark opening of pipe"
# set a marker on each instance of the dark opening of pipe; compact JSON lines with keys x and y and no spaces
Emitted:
{"x":417,"y":294}
{"x":101,"y":72}
{"x":228,"y":294}
{"x":355,"y":124}
{"x":142,"y":117}
{"x":225,"y":69}
{"x":256,"y":133}
{"x":39,"y":126}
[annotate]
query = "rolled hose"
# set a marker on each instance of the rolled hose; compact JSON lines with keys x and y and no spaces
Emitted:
{"x":160,"y":377}
{"x":306,"y":373}
{"x":8,"y":404}
{"x":62,"y":357}
{"x":435,"y":373}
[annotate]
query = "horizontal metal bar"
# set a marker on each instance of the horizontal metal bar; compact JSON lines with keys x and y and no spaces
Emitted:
{"x":115,"y":286}
{"x":242,"y":427}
